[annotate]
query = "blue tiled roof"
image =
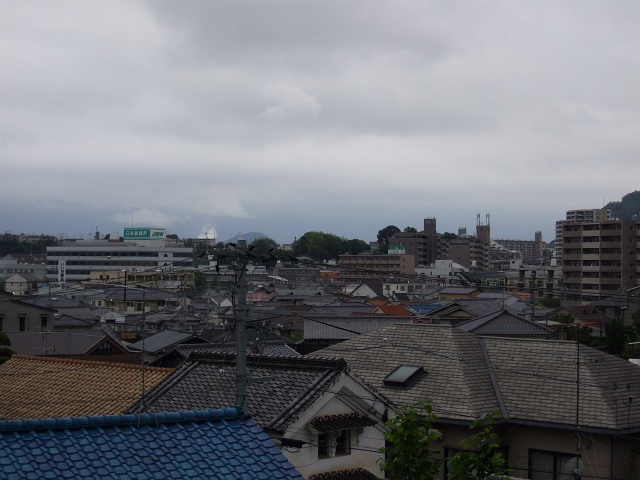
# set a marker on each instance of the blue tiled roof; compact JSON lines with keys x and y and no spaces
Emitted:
{"x":211,"y":444}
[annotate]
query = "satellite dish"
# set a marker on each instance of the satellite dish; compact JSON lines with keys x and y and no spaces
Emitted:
{"x":575,"y":467}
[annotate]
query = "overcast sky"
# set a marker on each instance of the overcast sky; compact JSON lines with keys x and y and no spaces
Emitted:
{"x":289,"y":116}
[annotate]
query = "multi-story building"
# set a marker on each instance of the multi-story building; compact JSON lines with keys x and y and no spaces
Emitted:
{"x":530,"y":251}
{"x":577,"y":216}
{"x":422,"y":245}
{"x":600,"y":258}
{"x":141,"y":249}
{"x":472,"y":252}
{"x":361,"y":268}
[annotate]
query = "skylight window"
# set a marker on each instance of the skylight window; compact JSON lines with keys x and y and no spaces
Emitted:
{"x":403,"y":376}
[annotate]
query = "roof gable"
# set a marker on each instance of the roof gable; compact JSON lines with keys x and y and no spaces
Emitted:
{"x":504,"y":323}
{"x":62,"y":343}
{"x":208,"y":381}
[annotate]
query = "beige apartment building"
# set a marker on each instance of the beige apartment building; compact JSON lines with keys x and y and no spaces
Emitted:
{"x":578,"y":216}
{"x":600,"y":258}
{"x":361,"y":268}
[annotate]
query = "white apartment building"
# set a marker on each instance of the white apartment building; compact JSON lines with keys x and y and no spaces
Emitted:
{"x":141,"y":249}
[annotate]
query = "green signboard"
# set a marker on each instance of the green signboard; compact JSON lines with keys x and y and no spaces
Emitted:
{"x":143,"y":233}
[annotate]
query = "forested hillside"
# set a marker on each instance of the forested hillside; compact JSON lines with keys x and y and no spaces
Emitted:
{"x":628,"y":208}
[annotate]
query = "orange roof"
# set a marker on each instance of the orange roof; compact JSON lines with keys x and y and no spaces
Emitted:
{"x":51,"y":387}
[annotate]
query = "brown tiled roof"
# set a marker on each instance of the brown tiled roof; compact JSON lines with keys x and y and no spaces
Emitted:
{"x":341,"y":421}
{"x":46,"y":387}
{"x":351,"y":474}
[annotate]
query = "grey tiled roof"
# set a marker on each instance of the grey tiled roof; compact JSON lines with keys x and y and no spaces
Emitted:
{"x":504,"y":323}
{"x":66,"y":342}
{"x":537,"y":381}
{"x":457,"y":378}
{"x":164,"y":339}
{"x":209,"y":381}
{"x":531,"y":381}
{"x":342,"y":328}
{"x":481,"y":306}
{"x":268,"y":348}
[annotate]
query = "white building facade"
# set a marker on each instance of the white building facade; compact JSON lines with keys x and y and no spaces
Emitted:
{"x":141,"y":249}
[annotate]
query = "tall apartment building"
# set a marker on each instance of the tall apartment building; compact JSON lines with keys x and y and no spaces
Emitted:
{"x":599,"y":258}
{"x":472,"y":252}
{"x":422,"y":245}
{"x":577,"y":216}
{"x":142,"y":249}
{"x":530,"y":251}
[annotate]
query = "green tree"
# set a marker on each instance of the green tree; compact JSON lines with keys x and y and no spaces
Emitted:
{"x":319,"y":246}
{"x":616,"y":338}
{"x":481,"y":456}
{"x":356,"y":247}
{"x":384,"y":235}
{"x":262,"y":245}
{"x":563,"y":317}
{"x":199,"y":281}
{"x":448,"y":235}
{"x":410,"y":230}
{"x":550,"y":302}
{"x":5,"y":351}
{"x":408,"y":436}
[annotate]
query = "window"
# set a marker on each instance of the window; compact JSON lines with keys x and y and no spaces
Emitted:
{"x":23,"y":323}
{"x":545,"y":465}
{"x":403,"y":376}
{"x":1,"y":323}
{"x":44,"y":321}
{"x":334,"y":444}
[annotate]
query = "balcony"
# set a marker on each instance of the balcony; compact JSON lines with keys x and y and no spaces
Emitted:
{"x":595,"y":268}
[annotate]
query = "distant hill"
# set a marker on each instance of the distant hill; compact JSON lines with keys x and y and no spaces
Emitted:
{"x":249,"y":237}
{"x":627,"y":209}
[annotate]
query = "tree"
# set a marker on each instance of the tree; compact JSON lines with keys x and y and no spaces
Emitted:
{"x":410,"y":230}
{"x":5,"y":351}
{"x":356,"y":247}
{"x":550,"y":302}
{"x":616,"y":338}
{"x":564,"y":318}
{"x":199,"y":281}
{"x":448,"y":235}
{"x":481,"y":456}
{"x":408,"y":436}
{"x":319,"y":245}
{"x":384,"y":235}
{"x":262,"y":245}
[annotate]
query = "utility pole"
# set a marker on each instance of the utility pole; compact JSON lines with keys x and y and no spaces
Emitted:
{"x":240,"y":315}
{"x":533,"y":295}
{"x":241,"y":326}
